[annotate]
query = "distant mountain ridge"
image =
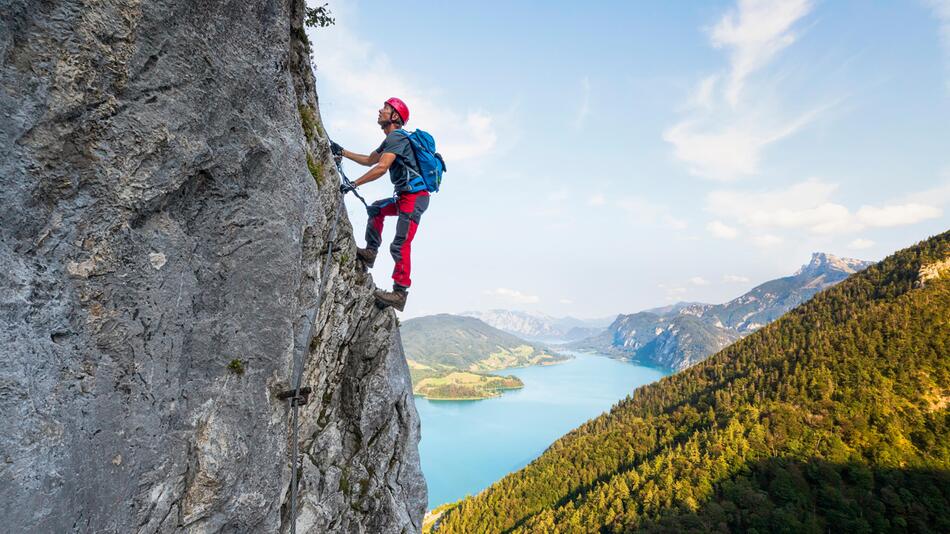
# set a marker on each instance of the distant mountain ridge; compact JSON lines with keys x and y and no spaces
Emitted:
{"x":538,"y":326}
{"x":446,"y":342}
{"x":767,"y":302}
{"x":681,"y":335}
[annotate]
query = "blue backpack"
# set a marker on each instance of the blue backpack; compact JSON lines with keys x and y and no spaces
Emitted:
{"x":431,"y":165}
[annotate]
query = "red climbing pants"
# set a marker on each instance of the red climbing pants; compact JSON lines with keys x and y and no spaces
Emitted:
{"x":408,"y":207}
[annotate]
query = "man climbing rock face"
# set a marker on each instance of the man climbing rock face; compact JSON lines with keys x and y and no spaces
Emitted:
{"x":395,"y":155}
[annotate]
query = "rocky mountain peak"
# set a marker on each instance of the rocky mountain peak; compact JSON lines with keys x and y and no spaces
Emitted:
{"x":705,"y":328}
{"x":822,"y":262}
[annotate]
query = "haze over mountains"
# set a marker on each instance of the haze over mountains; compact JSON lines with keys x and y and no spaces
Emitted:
{"x":681,"y":335}
{"x":540,"y":327}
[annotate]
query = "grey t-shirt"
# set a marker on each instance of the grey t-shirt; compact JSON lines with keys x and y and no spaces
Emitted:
{"x":397,"y":143}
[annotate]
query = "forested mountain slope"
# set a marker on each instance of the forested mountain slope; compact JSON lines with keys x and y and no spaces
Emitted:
{"x":833,"y":417}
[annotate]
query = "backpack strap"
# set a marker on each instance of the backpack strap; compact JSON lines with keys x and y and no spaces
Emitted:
{"x":418,"y":169}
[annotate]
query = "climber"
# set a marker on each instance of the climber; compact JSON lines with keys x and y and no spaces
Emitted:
{"x":396,"y":155}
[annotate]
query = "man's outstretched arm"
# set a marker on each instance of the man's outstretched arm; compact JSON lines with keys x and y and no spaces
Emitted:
{"x":364,"y":160}
{"x":382,"y":163}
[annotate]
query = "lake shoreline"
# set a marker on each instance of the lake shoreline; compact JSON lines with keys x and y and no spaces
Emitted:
{"x":466,"y":446}
{"x":465,"y":386}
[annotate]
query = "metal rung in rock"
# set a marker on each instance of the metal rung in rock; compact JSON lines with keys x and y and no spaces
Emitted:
{"x":296,"y":400}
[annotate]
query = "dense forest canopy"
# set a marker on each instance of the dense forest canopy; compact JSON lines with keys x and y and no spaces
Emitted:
{"x":835,"y":416}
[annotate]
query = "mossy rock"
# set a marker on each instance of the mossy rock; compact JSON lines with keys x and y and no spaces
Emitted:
{"x":308,"y":121}
{"x":236,"y":366}
{"x":316,"y":169}
{"x":301,"y":34}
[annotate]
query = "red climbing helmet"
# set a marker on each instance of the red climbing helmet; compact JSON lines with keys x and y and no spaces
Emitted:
{"x":401,"y":108}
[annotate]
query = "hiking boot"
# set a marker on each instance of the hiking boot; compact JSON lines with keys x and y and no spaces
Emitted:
{"x":395,"y":298}
{"x":367,"y":256}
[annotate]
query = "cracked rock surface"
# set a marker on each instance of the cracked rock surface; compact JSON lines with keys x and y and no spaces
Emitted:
{"x":166,"y":199}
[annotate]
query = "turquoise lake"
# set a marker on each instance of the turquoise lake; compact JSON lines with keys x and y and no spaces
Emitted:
{"x":467,"y":445}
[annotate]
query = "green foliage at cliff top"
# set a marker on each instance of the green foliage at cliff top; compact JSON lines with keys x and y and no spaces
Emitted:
{"x":832,"y":418}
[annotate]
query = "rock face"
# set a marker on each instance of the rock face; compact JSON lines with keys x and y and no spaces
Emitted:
{"x":678,"y":336}
{"x":166,"y":201}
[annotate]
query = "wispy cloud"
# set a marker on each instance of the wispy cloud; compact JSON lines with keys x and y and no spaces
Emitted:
{"x":728,"y":149}
{"x":558,"y":195}
{"x":354,"y":78}
{"x":673,"y":292}
{"x":648,"y":213}
{"x":704,"y":95}
{"x":596,"y":200}
{"x":512,"y":295}
{"x":937,"y":196}
{"x":766,"y":240}
{"x":810,"y":206}
{"x":722,"y":230}
{"x":725,"y":130}
{"x":896,"y":214}
{"x":941,"y":10}
{"x":754,"y":32}
{"x":583,"y":109}
{"x":861,"y":244}
{"x":735,"y":279}
{"x":554,"y":208}
{"x":698,"y":281}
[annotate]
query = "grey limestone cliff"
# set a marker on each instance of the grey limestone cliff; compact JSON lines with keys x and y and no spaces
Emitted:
{"x":165,"y":207}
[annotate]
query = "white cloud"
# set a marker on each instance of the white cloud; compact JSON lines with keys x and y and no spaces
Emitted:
{"x":754,"y":33}
{"x":861,"y":243}
{"x":719,"y":155}
{"x":698,"y":281}
{"x":704,"y":95}
{"x":566,"y":301}
{"x":896,"y":215}
{"x":512,"y":295}
{"x":721,"y":230}
{"x":555,"y":207}
{"x":645,"y":212}
{"x":809,"y":205}
{"x":675,"y":223}
{"x":937,"y":196}
{"x":355,"y":77}
{"x":733,"y":278}
{"x":728,"y":149}
{"x":941,"y":10}
{"x":723,"y":133}
{"x":673,"y":292}
{"x":596,"y":199}
{"x":583,"y":110}
{"x":766,"y":240}
{"x":558,"y":195}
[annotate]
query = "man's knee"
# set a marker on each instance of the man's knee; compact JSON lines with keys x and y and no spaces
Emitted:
{"x":402,"y":230}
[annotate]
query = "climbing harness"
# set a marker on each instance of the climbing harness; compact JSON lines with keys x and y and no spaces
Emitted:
{"x":300,"y":396}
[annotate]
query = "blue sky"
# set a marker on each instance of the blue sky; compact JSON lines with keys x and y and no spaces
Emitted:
{"x":614,"y":156}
